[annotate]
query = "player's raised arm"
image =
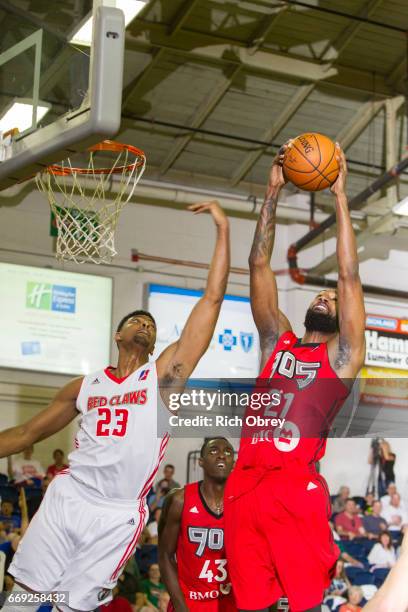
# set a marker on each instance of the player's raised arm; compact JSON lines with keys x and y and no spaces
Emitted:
{"x":347,"y":350}
{"x":61,"y":411}
{"x":263,"y":289}
{"x":169,"y":528}
{"x":179,"y":360}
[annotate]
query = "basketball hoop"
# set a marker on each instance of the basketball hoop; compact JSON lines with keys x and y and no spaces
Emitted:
{"x":86,"y":217}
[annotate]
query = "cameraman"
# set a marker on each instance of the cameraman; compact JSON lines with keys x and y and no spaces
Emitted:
{"x":382,"y":461}
{"x":387,"y":462}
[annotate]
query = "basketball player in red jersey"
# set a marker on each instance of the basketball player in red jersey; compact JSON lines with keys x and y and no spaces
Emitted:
{"x":276,"y":504}
{"x":92,"y":515}
{"x":191,"y":537}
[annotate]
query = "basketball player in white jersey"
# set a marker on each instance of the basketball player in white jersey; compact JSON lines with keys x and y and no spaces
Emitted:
{"x":93,"y":513}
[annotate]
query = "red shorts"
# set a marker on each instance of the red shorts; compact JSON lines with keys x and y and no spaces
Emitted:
{"x":224,"y":604}
{"x":277,"y":537}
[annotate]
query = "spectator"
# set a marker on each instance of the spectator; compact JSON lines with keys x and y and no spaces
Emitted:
{"x":128,"y":583}
{"x":374,"y":523}
{"x":340,"y":583}
{"x":387,"y":463}
{"x":385,"y":499}
{"x":368,"y":503}
{"x":152,"y":585}
{"x":10,"y":521}
{"x":10,"y":541}
{"x":143,"y":604}
{"x":58,"y":465}
{"x":146,"y":552}
{"x":354,"y":597}
{"x":8,"y":583}
{"x":164,"y":601}
{"x":395,"y":514}
{"x":393,"y":594}
{"x":383,"y":553}
{"x":337,"y":590}
{"x":118,"y":603}
{"x":348,"y":524}
{"x":167,"y":482}
{"x":156,"y":500}
{"x":343,"y":554}
{"x":339,"y":501}
{"x":44,"y":485}
{"x":153,"y":526}
{"x":25,"y":470}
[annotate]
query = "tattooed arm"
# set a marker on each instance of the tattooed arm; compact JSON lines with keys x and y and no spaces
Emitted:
{"x":269,"y":321}
{"x":347,"y":350}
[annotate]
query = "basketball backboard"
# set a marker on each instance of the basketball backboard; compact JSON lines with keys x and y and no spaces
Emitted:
{"x":69,"y":96}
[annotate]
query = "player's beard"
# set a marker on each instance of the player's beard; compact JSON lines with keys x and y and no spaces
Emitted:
{"x":320,"y":322}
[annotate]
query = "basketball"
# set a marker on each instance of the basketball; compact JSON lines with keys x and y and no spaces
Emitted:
{"x":310,"y":163}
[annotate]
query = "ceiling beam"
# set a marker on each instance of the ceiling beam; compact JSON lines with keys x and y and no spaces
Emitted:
{"x":268,"y":136}
{"x":137,"y":83}
{"x":266,"y":27}
{"x":399,"y":71}
{"x":329,"y":264}
{"x":267,"y":62}
{"x":342,"y":40}
{"x":210,"y":103}
{"x":28,"y":17}
{"x":346,"y":77}
{"x":366,"y":113}
{"x":202,"y":113}
{"x":181,"y":16}
{"x":336,"y":48}
{"x":157,"y":54}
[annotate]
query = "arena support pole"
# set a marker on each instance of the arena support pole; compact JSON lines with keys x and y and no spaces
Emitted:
{"x":302,"y":277}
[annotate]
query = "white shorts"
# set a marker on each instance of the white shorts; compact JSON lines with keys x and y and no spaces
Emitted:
{"x":78,"y":543}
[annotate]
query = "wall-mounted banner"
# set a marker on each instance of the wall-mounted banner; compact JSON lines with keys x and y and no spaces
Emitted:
{"x":234,"y":348}
{"x":386,"y":342}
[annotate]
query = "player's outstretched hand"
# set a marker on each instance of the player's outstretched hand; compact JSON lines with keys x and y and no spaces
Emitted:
{"x":339,"y":186}
{"x":276,"y":177}
{"x":215,"y":210}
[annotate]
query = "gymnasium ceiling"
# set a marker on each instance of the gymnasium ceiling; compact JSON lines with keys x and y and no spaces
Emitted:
{"x":214,"y":87}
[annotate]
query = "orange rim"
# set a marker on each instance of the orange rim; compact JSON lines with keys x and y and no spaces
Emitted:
{"x":105,"y":145}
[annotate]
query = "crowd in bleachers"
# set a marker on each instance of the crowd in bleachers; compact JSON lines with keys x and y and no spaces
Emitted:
{"x":139,"y":588}
{"x":367,"y":530}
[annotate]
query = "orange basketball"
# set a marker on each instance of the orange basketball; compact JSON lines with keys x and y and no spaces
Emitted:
{"x":311,"y":162}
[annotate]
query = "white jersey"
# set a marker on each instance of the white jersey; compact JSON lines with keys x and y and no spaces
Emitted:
{"x":118,"y":451}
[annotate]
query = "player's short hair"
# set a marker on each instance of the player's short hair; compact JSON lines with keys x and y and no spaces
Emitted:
{"x":169,"y":465}
{"x":58,"y":450}
{"x":135,"y":313}
{"x":208,"y":440}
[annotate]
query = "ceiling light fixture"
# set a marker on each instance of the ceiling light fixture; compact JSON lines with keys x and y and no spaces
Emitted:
{"x":19,"y":114}
{"x":83,"y":34}
{"x":401,"y":208}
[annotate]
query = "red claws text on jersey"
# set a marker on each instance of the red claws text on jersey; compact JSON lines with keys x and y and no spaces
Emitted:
{"x":132,"y":397}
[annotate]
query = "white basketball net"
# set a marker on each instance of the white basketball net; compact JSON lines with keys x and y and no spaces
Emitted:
{"x":87,"y":204}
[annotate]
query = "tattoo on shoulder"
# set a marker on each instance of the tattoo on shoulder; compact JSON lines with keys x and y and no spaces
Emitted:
{"x":343,"y":355}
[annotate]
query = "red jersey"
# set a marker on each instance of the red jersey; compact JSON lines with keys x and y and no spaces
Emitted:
{"x":306,"y":393}
{"x":53,"y":470}
{"x":200,"y":554}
